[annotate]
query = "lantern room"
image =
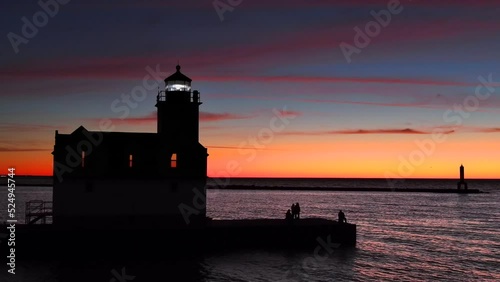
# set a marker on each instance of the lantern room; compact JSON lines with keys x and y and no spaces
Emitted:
{"x":178,"y":81}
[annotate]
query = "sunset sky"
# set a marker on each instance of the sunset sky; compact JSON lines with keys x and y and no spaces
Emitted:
{"x":280,"y":98}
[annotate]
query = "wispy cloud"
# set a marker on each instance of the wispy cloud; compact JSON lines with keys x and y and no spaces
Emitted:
{"x":336,"y":79}
{"x":152,"y":118}
{"x":486,"y":129}
{"x":270,"y":52}
{"x":418,"y":103}
{"x":17,"y":127}
{"x":243,"y":148}
{"x":289,"y":113}
{"x":208,"y":117}
{"x":291,"y":4}
{"x":362,"y":131}
{"x":14,"y":149}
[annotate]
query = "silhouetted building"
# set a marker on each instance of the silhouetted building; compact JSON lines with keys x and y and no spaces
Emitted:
{"x":135,"y":178}
{"x":462,"y":179}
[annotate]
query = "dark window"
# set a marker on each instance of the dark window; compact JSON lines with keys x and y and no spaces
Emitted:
{"x":89,"y":187}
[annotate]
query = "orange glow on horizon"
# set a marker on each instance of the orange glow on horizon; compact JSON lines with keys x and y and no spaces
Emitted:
{"x":341,"y":157}
{"x":27,"y":163}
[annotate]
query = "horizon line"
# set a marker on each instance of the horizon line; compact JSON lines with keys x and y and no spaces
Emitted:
{"x":282,"y":177}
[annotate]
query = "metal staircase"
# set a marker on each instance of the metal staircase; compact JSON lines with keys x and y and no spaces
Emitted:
{"x":38,"y":212}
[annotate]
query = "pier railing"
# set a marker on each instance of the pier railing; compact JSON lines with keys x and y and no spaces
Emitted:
{"x":38,"y":212}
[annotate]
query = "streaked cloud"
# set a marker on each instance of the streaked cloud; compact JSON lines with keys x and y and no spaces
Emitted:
{"x":152,"y":118}
{"x":362,"y":131}
{"x":17,"y":127}
{"x":19,"y":149}
{"x":486,"y":129}
{"x":243,"y":148}
{"x":208,"y":117}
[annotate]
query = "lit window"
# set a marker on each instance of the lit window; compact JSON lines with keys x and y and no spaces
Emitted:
{"x":173,"y":160}
{"x":178,"y":87}
{"x":130,"y":160}
{"x":83,"y":158}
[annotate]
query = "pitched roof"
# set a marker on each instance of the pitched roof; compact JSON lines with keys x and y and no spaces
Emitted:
{"x":178,"y":76}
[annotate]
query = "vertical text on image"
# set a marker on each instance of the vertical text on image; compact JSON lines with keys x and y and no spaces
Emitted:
{"x":11,"y":213}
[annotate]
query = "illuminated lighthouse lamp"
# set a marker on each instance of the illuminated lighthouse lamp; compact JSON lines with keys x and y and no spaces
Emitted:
{"x":178,"y":86}
{"x":178,"y":82}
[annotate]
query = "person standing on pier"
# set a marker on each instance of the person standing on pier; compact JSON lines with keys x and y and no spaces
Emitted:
{"x":294,"y":211}
{"x":342,"y":218}
{"x":297,"y":210}
{"x":288,"y":215}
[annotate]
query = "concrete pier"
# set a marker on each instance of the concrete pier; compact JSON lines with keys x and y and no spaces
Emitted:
{"x":42,"y":241}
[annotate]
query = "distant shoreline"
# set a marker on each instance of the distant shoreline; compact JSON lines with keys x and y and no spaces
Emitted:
{"x":329,"y":189}
{"x":301,"y":184}
{"x":347,"y":189}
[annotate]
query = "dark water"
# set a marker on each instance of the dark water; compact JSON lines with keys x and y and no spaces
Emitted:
{"x":401,"y":236}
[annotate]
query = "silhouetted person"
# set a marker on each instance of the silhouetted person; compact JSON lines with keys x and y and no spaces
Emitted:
{"x":294,"y":210}
{"x":297,"y":210}
{"x":288,"y":215}
{"x":342,"y":218}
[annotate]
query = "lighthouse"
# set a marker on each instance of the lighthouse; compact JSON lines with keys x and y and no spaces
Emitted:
{"x":462,"y":179}
{"x":104,"y":178}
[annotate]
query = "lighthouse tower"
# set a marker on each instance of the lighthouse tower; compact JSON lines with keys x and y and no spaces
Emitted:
{"x":178,"y":127}
{"x":178,"y":109}
{"x":462,"y":179}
